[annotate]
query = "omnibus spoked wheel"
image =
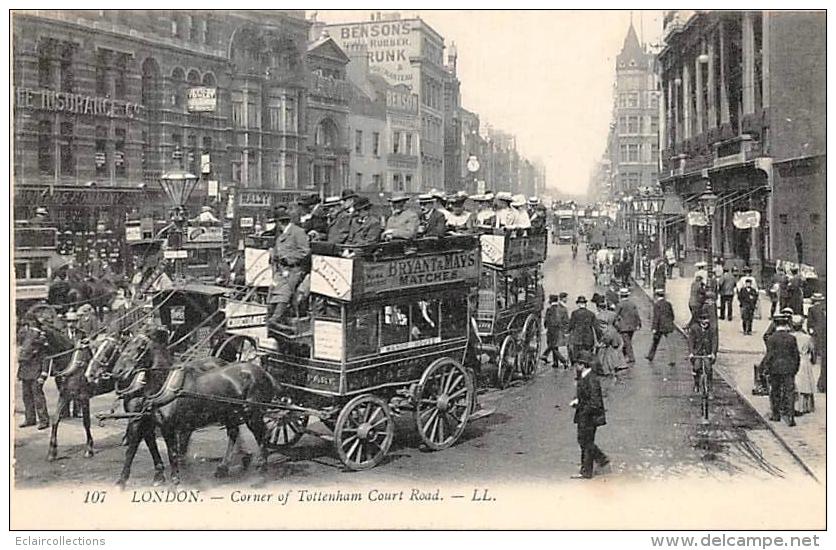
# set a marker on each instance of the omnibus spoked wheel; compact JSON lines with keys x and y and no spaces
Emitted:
{"x":237,"y":348}
{"x":364,"y":432}
{"x":506,"y":362}
{"x":529,"y":348}
{"x":284,"y":428}
{"x":443,"y":401}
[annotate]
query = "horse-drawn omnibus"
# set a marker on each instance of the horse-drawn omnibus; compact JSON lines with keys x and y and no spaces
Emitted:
{"x":510,"y":302}
{"x":387,"y":333}
{"x":35,"y":258}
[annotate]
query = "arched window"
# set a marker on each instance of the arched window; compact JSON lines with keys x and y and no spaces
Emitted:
{"x":150,"y":83}
{"x":209,"y":80}
{"x":326,"y":134}
{"x":178,"y":78}
{"x":194,"y":77}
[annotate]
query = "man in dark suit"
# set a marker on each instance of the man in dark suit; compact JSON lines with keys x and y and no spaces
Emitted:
{"x":589,"y":415}
{"x":627,"y":321}
{"x":584,"y":330}
{"x":696,"y":298}
{"x":288,"y":255}
{"x":557,"y":323}
{"x":709,"y":311}
{"x":341,"y":224}
{"x":748,"y":298}
{"x":795,"y":292}
{"x":364,"y":228}
{"x":817,"y":327}
{"x":433,"y":220}
{"x":29,"y":374}
{"x":701,"y":344}
{"x":662,"y":325}
{"x":781,"y":364}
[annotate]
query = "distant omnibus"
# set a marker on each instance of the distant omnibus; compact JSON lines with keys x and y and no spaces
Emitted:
{"x":565,"y":226}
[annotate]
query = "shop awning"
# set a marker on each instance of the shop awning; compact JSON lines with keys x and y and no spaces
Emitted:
{"x":673,"y":206}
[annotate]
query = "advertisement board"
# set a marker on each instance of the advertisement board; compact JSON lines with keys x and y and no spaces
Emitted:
{"x":201,"y":100}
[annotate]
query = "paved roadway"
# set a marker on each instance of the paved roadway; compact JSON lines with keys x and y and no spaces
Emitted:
{"x":654,"y":432}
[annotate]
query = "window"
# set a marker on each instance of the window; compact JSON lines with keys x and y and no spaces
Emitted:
{"x":408,"y":183}
{"x":783,"y":218}
{"x":68,"y":167}
{"x":654,"y":100}
{"x":193,"y":158}
{"x":290,"y":111}
{"x":654,"y":125}
{"x":630,"y":180}
{"x":101,"y":152}
{"x":377,"y":182}
{"x":629,"y":152}
{"x":358,"y":142}
{"x":815,"y":219}
{"x":454,"y":316}
{"x":119,"y":86}
{"x":67,"y":76}
{"x":397,"y":185}
{"x":628,"y":99}
{"x":20,"y":270}
{"x":362,"y":332}
{"x":253,"y":177}
{"x":119,"y":158}
{"x":376,"y":144}
{"x":629,"y":124}
{"x":396,"y":142}
{"x":207,"y":144}
{"x":274,"y":112}
{"x":101,"y":72}
{"x":358,"y":181}
{"x":253,"y":117}
{"x":44,"y":67}
{"x":236,"y":169}
{"x":654,"y":153}
{"x":46,"y":163}
{"x":290,"y":171}
{"x":37,"y":269}
{"x":408,"y":143}
{"x":237,"y":110}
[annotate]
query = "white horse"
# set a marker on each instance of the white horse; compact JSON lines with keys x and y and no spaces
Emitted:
{"x":603,"y":261}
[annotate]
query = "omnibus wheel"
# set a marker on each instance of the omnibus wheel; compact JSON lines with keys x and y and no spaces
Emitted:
{"x":529,"y":348}
{"x":236,"y":349}
{"x":284,"y":428}
{"x":443,"y":401}
{"x":364,"y":432}
{"x":506,"y":362}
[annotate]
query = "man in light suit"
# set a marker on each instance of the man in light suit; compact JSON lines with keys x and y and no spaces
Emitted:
{"x":627,"y":321}
{"x":288,"y":256}
{"x":403,"y":223}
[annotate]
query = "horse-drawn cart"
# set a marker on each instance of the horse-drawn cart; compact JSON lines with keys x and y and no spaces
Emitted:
{"x":386,"y":335}
{"x":510,"y":303}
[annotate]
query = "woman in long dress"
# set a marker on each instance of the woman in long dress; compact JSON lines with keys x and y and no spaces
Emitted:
{"x":805,"y":381}
{"x":608,"y":355}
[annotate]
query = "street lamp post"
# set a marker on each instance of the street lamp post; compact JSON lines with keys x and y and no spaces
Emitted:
{"x":708,"y":201}
{"x":177,"y":186}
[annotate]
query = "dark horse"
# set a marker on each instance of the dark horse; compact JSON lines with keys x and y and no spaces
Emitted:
{"x":60,"y":357}
{"x":179,"y":399}
{"x":99,"y":293}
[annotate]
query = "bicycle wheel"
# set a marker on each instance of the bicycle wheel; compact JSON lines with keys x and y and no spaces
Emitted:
{"x":704,"y":389}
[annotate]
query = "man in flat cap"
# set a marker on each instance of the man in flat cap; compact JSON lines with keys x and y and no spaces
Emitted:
{"x":584,"y":330}
{"x":288,"y":257}
{"x":590,"y":414}
{"x":781,"y":364}
{"x":556,"y":322}
{"x":402,"y":224}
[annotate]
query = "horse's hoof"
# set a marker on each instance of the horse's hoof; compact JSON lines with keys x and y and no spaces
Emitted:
{"x":221,"y":472}
{"x":52,"y":456}
{"x":159,"y":479}
{"x":175,"y":480}
{"x":120,"y":484}
{"x":246,"y":460}
{"x":88,"y":453}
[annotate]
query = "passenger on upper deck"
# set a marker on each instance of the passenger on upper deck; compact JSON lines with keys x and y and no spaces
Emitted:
{"x":460,"y":220}
{"x":287,"y":256}
{"x":312,"y":217}
{"x":206,"y":217}
{"x":339,"y":228}
{"x":365,"y":228}
{"x":434,"y":222}
{"x":485,"y":217}
{"x":536,"y":213}
{"x":41,"y":218}
{"x":507,"y":214}
{"x":519,"y":205}
{"x":403,"y":223}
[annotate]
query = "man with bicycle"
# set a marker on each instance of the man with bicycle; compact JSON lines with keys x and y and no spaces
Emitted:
{"x":701,"y":348}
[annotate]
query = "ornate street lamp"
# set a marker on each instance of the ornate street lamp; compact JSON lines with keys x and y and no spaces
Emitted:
{"x":177,"y":186}
{"x":708,"y":200}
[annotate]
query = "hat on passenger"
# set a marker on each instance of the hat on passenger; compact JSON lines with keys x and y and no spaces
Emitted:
{"x":563,"y":295}
{"x":780,"y":318}
{"x":398,"y":197}
{"x":533,"y":200}
{"x":309,"y":200}
{"x":797,"y":321}
{"x":553,"y":298}
{"x":436,"y":194}
{"x":624,"y":292}
{"x":788,"y":311}
{"x":426,"y":197}
{"x":332,"y":200}
{"x":504,"y":196}
{"x":581,"y":300}
{"x":71,"y":316}
{"x":518,"y":200}
{"x":41,"y":211}
{"x":659,"y":292}
{"x":817,"y":297}
{"x":456,"y":199}
{"x":698,"y":265}
{"x":348,"y":194}
{"x":281,"y":213}
{"x":362,"y":203}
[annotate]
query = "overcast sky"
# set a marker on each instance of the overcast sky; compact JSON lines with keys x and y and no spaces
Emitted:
{"x":546,"y":76}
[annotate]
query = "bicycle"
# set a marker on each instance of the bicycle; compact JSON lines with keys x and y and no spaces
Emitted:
{"x":704,"y":381}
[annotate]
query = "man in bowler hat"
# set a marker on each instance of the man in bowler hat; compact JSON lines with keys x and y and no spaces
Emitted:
{"x":589,"y":414}
{"x":584,"y":330}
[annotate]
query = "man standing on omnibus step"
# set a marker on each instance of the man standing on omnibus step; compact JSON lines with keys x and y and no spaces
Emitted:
{"x":287,"y":257}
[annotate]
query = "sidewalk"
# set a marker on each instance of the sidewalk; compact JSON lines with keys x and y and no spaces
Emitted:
{"x":737,"y":356}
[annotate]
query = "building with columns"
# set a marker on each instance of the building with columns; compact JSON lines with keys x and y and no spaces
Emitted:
{"x":743,"y":103}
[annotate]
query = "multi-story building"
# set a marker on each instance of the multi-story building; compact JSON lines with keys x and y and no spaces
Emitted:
{"x":453,"y":159}
{"x":634,"y":140}
{"x":407,"y":52}
{"x":744,"y":109}
{"x":106,"y":101}
{"x":473,"y":145}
